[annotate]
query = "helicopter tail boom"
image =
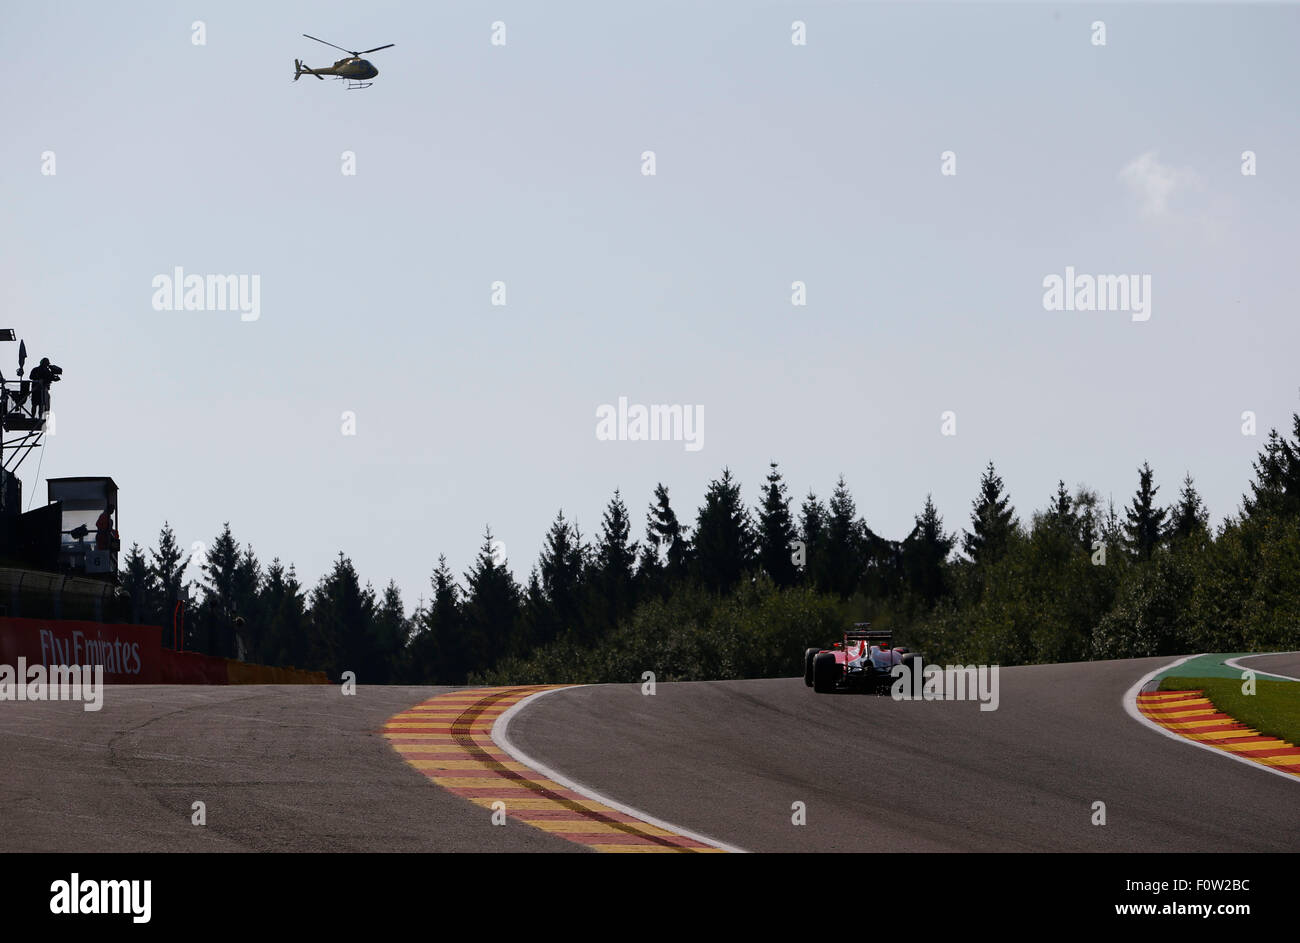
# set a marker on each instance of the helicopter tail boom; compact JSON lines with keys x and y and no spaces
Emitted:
{"x":299,"y":70}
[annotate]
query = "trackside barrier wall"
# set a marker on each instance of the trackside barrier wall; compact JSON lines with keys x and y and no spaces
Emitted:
{"x":131,"y":654}
{"x":195,"y":668}
{"x":238,"y":672}
{"x":192,"y":668}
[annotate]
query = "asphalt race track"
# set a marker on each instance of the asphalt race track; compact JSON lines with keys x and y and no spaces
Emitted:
{"x":1287,"y":664}
{"x":728,"y":759}
{"x":280,"y":768}
{"x":304,"y":768}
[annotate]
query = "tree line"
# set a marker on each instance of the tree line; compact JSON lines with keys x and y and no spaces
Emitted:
{"x":739,"y":591}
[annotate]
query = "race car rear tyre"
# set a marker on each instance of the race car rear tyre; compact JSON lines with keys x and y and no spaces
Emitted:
{"x":808,"y":656}
{"x":826,"y":672}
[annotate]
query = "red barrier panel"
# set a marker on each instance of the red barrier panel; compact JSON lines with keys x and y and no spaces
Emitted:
{"x":130,"y":654}
{"x":192,"y":668}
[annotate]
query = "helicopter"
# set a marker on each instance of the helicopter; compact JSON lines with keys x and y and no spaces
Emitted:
{"x":354,"y":69}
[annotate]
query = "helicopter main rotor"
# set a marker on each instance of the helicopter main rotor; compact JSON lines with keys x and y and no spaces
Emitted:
{"x":352,"y":53}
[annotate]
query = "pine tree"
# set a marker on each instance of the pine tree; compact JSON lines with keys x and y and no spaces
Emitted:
{"x":884,"y":576}
{"x":170,"y":591}
{"x":1112,"y":527}
{"x":1189,"y":520}
{"x":283,"y":608}
{"x":230,"y":579}
{"x":846,"y":544}
{"x":392,"y":633}
{"x":491,"y":607}
{"x":1276,"y":488}
{"x":248,"y":616}
{"x":723,"y":546}
{"x":1060,"y":512}
{"x":218,"y":568}
{"x":669,"y":538}
{"x":535,"y":619}
{"x":614,"y":564}
{"x":1145,"y":520}
{"x":248,"y":580}
{"x":776,"y":531}
{"x":341,"y":633}
{"x":650,"y":580}
{"x":438,"y":652}
{"x":1088,"y":519}
{"x":560,"y":568}
{"x":812,"y":531}
{"x":924,"y":553}
{"x":138,"y":584}
{"x":992,"y":521}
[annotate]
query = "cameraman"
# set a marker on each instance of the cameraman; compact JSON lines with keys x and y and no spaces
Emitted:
{"x":42,"y":376}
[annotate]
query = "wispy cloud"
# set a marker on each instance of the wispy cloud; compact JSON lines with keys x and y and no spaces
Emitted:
{"x":1154,"y":184}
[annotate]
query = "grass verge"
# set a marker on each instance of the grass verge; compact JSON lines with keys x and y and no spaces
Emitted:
{"x":1273,"y":710}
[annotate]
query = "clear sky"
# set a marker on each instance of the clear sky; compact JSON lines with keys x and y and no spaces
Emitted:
{"x":523,"y":163}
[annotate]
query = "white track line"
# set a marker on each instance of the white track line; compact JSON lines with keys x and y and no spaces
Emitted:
{"x":500,"y":736}
{"x":1130,"y":705}
{"x":1236,"y":663}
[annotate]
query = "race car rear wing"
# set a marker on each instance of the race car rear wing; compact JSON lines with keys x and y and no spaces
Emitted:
{"x":860,"y":633}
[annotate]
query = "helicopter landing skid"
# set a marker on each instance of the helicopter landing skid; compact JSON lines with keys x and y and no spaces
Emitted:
{"x":354,"y":84}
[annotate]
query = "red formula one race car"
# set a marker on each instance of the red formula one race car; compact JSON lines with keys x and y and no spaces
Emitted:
{"x":864,"y":661}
